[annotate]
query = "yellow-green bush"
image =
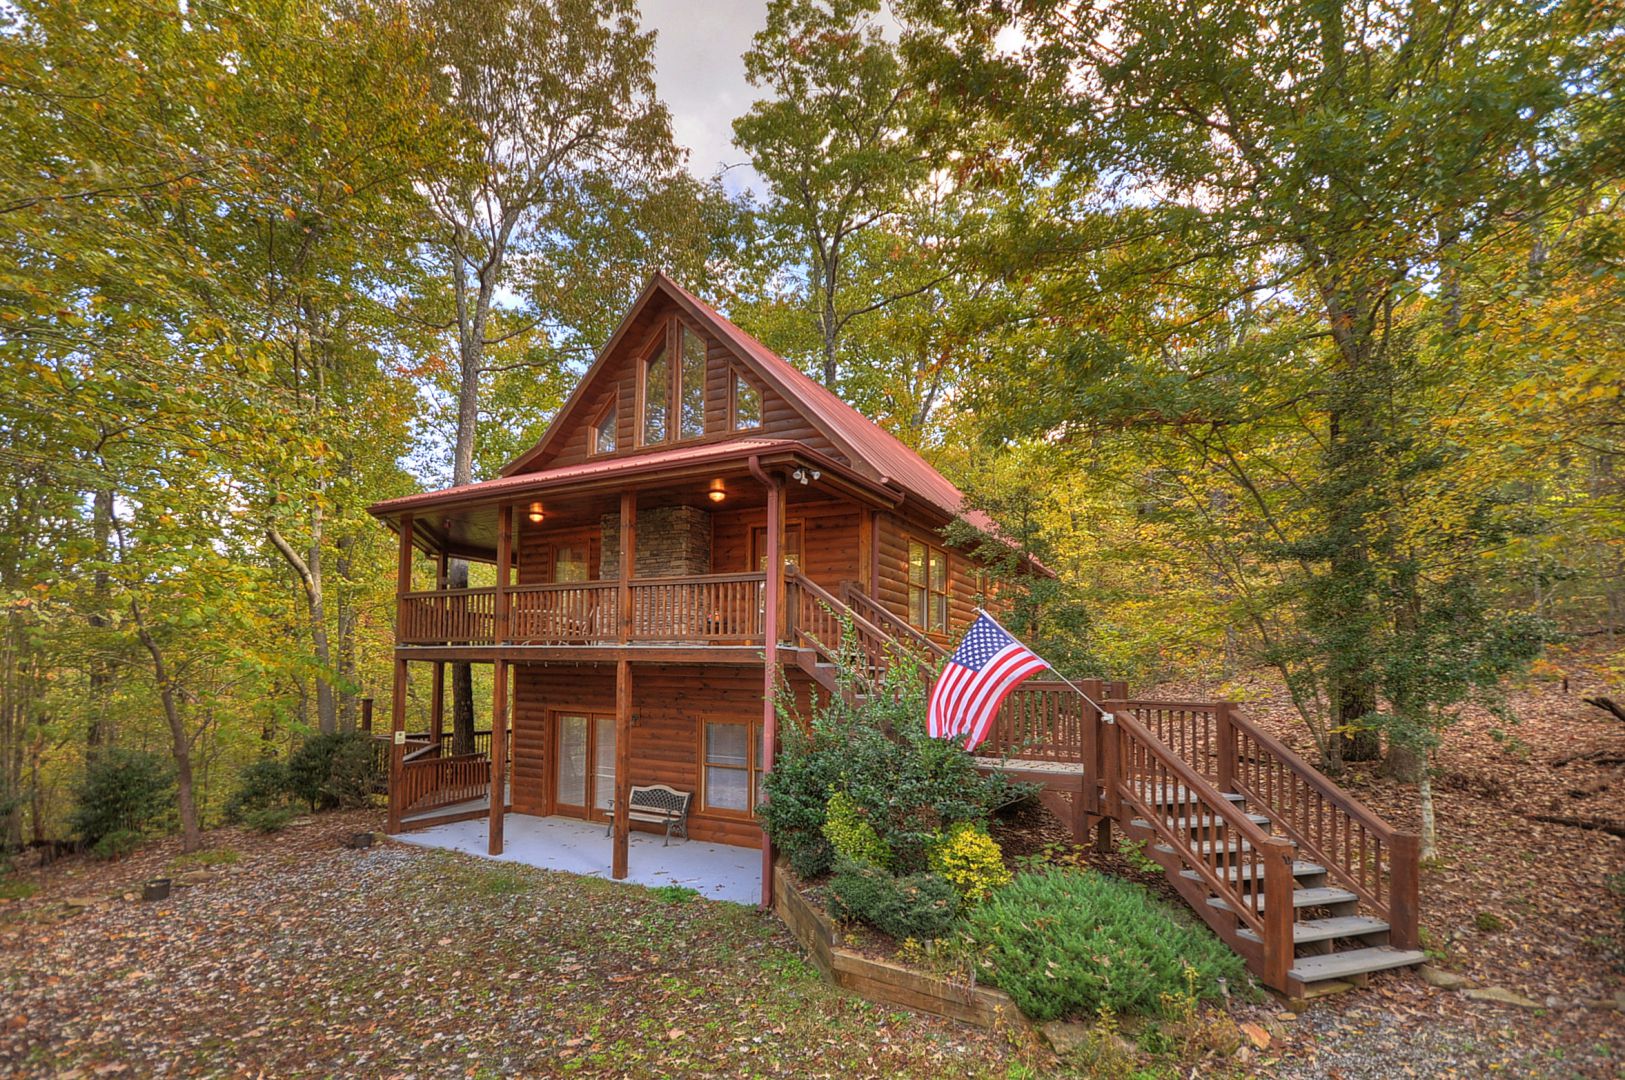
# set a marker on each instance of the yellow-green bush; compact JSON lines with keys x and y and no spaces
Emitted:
{"x":971,"y":860}
{"x":852,"y":837}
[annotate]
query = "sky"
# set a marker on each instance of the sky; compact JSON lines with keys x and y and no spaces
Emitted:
{"x":698,"y":69}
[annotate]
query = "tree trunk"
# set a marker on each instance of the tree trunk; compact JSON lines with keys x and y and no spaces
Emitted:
{"x":473,"y":311}
{"x":826,"y":260}
{"x":99,"y":732}
{"x":310,"y":577}
{"x":347,"y":626}
{"x":180,"y":745}
{"x":462,"y":679}
{"x":1430,"y":832}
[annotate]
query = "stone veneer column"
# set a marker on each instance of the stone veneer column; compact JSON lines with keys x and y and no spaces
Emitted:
{"x":673,"y":541}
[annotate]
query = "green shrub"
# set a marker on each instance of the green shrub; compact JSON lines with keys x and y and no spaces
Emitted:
{"x":333,"y":771}
{"x":971,"y":860}
{"x":268,"y":819}
{"x":920,"y":906}
{"x":906,"y":786}
{"x":262,"y":784}
{"x":853,"y":838}
{"x":1067,"y":942}
{"x":116,"y":844}
{"x":123,"y":791}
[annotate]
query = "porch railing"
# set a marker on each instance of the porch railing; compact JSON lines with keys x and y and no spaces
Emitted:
{"x":1041,"y":721}
{"x":428,"y":783}
{"x":706,"y":609}
{"x":448,"y":617}
{"x":568,"y":613}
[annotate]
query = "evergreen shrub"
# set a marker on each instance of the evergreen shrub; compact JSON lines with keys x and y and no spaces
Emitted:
{"x":123,"y":791}
{"x":921,"y":906}
{"x":1070,"y":942}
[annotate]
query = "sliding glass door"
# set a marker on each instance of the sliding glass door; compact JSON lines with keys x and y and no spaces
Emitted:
{"x":584,"y":764}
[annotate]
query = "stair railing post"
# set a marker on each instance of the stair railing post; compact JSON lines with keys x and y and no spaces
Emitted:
{"x":1095,"y":689}
{"x":1226,"y":734}
{"x":1404,"y":890}
{"x":1279,"y":912}
{"x":792,"y":607}
{"x":1111,"y":770}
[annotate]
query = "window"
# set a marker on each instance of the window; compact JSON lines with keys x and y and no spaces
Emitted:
{"x":927,"y":588}
{"x":603,"y":433}
{"x":656,"y":397}
{"x":792,"y":546}
{"x":691,"y":391}
{"x":733,"y":753}
{"x":747,"y":404}
{"x":570,"y":562}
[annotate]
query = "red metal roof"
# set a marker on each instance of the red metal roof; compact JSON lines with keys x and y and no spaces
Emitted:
{"x":569,"y":474}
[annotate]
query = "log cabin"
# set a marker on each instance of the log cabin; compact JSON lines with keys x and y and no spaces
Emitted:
{"x":683,"y":537}
{"x":703,"y":524}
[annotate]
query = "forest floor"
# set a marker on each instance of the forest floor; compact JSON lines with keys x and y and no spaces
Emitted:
{"x":1514,"y":902}
{"x":304,"y":958}
{"x":291,"y":955}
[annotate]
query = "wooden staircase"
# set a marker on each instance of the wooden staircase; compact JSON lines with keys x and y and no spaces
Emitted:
{"x":1313,"y":890}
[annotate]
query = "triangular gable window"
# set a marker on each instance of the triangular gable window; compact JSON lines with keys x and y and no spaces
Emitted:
{"x":604,"y":431}
{"x":747,"y":406}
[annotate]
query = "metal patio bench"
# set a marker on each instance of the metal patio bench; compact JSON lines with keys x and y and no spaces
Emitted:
{"x":657,"y":804}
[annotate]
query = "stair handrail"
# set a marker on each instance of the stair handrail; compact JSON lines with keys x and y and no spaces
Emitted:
{"x":887,"y":643}
{"x":880,"y":613}
{"x":1401,"y":906}
{"x":1268,"y":912}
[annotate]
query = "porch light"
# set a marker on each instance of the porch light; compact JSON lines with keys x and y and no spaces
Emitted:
{"x":717,"y":492}
{"x":535,"y":514}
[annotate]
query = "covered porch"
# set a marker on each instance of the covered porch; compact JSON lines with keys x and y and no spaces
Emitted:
{"x":715,"y":871}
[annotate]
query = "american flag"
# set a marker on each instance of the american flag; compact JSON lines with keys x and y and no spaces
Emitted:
{"x":977,"y":678}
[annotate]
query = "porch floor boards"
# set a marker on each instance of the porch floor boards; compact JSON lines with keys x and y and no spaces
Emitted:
{"x":715,"y":871}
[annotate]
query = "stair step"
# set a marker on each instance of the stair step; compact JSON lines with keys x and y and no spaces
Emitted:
{"x":1206,"y":821}
{"x":1301,"y":898}
{"x":1178,"y":795}
{"x":1342,"y":965}
{"x":1300,"y":868}
{"x":1211,"y":847}
{"x":1342,"y":926}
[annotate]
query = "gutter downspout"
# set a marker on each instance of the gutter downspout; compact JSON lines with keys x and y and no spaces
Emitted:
{"x":772,"y":583}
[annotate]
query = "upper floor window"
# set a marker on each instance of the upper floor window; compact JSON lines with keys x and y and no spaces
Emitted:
{"x":673,"y":389}
{"x":603,"y":432}
{"x":656,"y":397}
{"x":747,"y":404}
{"x":691,"y":387}
{"x":927,"y":587}
{"x":570,"y":562}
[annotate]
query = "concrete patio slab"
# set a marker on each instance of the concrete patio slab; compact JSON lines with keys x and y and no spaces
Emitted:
{"x":715,"y":871}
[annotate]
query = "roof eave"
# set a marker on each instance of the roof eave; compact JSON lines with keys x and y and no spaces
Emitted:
{"x":771,"y":456}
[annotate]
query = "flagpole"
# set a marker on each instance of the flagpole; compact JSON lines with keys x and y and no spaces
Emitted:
{"x":1105,"y":716}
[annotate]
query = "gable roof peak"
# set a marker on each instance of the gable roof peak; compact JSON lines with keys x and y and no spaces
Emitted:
{"x":870,"y":448}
